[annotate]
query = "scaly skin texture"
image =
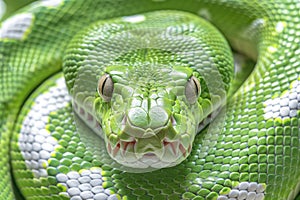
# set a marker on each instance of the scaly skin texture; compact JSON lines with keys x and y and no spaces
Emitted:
{"x":255,"y":151}
{"x":149,"y":111}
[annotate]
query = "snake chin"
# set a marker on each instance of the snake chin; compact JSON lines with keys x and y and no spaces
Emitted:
{"x":126,"y":154}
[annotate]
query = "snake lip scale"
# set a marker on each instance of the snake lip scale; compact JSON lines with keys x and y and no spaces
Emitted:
{"x":88,"y":117}
{"x":122,"y":146}
{"x":145,"y":160}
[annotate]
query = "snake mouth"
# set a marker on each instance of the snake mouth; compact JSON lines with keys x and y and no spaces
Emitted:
{"x":146,"y":151}
{"x":169,"y":154}
{"x":123,"y":145}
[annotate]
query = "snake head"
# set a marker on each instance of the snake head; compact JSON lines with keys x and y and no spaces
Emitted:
{"x":149,"y":118}
{"x":148,"y":84}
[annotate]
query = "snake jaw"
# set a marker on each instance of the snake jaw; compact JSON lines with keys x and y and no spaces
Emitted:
{"x":148,"y":149}
{"x":126,"y":153}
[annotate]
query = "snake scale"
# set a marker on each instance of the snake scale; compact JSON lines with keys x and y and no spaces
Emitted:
{"x":103,"y":99}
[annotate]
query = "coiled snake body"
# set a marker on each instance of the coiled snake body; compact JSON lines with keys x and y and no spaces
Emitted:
{"x":139,"y":80}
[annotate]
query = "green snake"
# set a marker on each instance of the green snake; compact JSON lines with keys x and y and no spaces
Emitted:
{"x":104,"y":99}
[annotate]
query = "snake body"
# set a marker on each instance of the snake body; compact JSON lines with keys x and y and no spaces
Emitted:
{"x":143,"y":79}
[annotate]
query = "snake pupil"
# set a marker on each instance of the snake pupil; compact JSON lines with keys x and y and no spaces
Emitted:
{"x":106,"y":87}
{"x":197,"y":85}
{"x":192,"y":90}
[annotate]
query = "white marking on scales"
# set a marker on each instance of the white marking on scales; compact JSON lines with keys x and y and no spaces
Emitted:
{"x":134,"y":18}
{"x":16,"y":27}
{"x":35,"y":142}
{"x":51,"y":3}
{"x":285,"y":106}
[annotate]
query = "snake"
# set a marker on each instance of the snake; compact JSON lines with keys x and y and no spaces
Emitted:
{"x":141,"y":99}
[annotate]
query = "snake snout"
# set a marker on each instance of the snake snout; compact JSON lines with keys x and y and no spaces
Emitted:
{"x":140,"y":123}
{"x":153,"y":118}
{"x":149,"y":136}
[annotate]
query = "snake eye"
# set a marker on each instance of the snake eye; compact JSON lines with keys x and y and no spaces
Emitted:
{"x":192,"y":90}
{"x":106,"y":87}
